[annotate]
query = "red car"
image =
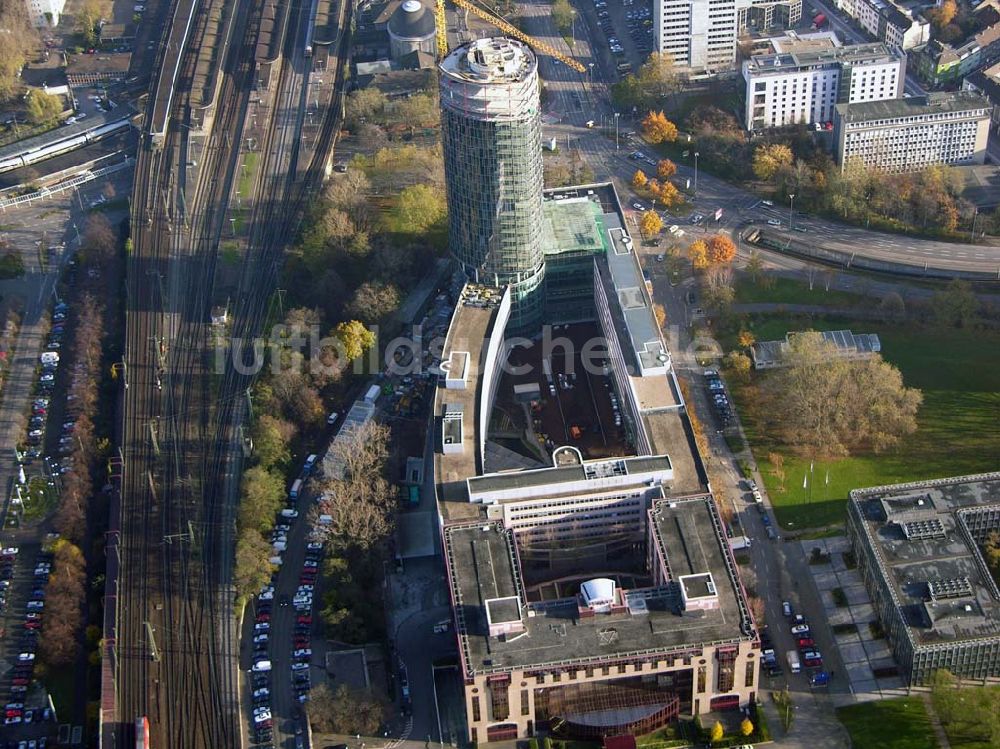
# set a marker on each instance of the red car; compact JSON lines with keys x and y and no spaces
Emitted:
{"x":301,"y":642}
{"x":263,"y":617}
{"x":304,"y":619}
{"x":806,"y":642}
{"x":20,"y":682}
{"x":32,"y":624}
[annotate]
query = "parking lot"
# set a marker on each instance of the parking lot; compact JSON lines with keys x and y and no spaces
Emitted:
{"x":627,"y":30}
{"x":575,"y":404}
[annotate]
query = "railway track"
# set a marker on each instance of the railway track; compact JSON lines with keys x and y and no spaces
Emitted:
{"x":176,"y":645}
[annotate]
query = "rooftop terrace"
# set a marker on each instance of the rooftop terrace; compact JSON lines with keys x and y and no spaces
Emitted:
{"x":926,"y":537}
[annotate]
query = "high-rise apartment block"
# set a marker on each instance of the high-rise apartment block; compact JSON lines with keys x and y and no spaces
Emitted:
{"x":788,"y":88}
{"x":43,"y":13}
{"x":491,"y":129}
{"x":700,"y":35}
{"x":907,"y":135}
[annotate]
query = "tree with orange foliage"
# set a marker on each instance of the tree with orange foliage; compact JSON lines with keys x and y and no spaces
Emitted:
{"x":639,"y":179}
{"x":721,"y":249}
{"x":650,"y":223}
{"x":942,"y":15}
{"x":666,"y":169}
{"x":669,"y":195}
{"x":658,"y":129}
{"x":698,"y":254}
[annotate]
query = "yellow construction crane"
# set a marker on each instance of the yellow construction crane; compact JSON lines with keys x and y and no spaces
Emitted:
{"x":506,"y":28}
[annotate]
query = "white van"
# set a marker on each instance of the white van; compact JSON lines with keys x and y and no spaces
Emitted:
{"x":325,"y":519}
{"x":50,"y":357}
{"x":261,"y":667}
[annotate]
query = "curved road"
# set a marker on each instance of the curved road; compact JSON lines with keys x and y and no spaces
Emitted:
{"x":572,"y":101}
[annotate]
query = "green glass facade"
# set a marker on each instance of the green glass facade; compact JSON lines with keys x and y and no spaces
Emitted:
{"x":492,"y":138}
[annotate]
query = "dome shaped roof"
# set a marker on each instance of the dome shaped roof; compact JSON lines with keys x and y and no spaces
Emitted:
{"x":411,"y":20}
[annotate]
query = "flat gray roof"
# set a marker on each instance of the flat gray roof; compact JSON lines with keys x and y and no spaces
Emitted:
{"x":926,"y":535}
{"x":627,"y":287}
{"x":471,"y":324}
{"x":566,"y":474}
{"x":482,"y":562}
{"x":934,"y":103}
{"x":851,"y":55}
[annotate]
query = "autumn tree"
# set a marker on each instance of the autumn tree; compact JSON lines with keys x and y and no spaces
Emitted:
{"x":99,"y":239}
{"x":717,"y":732}
{"x":658,"y":129}
{"x":346,"y":711}
{"x":755,"y":266}
{"x":363,"y":510}
{"x":353,"y":339}
{"x":738,"y":365}
{"x":721,"y":249}
{"x":942,"y":15}
{"x":262,"y":495}
{"x":65,"y":595}
{"x":666,"y":193}
{"x":417,"y":209}
{"x":363,"y":105}
{"x":698,"y":254}
{"x":769,"y":159}
{"x":43,"y":107}
{"x":650,"y":224}
{"x":665,"y":169}
{"x":956,"y":305}
{"x":660,"y":313}
{"x":374,"y":301}
{"x":639,"y":179}
{"x":746,"y":727}
{"x":822,"y":404}
{"x":251,"y":566}
{"x":746,"y":339}
{"x":271,"y":436}
{"x":562,"y":15}
{"x":18,"y":39}
{"x":658,"y":75}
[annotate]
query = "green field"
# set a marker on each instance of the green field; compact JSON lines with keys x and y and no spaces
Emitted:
{"x":791,"y":291}
{"x":957,"y":424}
{"x":966,"y":714}
{"x":889,"y":724}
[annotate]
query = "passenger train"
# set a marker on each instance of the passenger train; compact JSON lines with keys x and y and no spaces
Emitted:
{"x":41,"y":153}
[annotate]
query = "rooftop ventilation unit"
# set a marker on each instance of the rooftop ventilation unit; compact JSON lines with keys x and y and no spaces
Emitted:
{"x":956,"y":587}
{"x":922,"y":530}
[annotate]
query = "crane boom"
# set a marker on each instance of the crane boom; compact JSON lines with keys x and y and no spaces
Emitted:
{"x":507,"y":28}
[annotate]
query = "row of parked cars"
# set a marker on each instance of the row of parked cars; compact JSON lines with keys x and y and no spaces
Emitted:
{"x":23,"y":669}
{"x":640,"y":26}
{"x":717,"y":394}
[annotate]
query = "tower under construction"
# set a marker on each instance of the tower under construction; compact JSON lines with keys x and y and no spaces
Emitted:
{"x":493,"y":168}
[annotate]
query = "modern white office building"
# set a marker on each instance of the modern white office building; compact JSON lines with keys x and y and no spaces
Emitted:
{"x":43,"y":13}
{"x":907,"y":135}
{"x":699,"y":34}
{"x":804,"y":87}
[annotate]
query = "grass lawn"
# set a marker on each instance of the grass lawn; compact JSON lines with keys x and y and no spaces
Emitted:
{"x":247,"y":174}
{"x":957,"y":432}
{"x":965,"y":712}
{"x":791,"y":291}
{"x":900,"y":724}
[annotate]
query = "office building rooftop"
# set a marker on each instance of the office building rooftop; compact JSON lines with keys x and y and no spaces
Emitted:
{"x":927,"y":537}
{"x":938,"y":102}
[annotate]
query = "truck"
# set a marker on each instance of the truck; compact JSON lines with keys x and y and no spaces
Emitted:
{"x":739,"y":542}
{"x":373,"y":393}
{"x":794,"y":664}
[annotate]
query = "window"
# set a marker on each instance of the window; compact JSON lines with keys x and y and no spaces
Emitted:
{"x":748,"y":681}
{"x":702,"y":678}
{"x":476,"y":715}
{"x":526,"y":704}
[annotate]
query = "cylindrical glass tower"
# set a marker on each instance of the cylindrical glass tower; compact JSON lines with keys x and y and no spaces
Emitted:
{"x":492,"y":137}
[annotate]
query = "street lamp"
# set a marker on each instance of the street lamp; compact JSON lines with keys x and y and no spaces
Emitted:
{"x":617,"y":115}
{"x":696,"y":155}
{"x":791,"y":215}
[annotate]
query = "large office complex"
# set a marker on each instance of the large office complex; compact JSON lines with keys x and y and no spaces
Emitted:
{"x":787,"y":88}
{"x":906,"y":135}
{"x":700,"y":35}
{"x":919,"y":549}
{"x":491,"y":131}
{"x":593,"y":588}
